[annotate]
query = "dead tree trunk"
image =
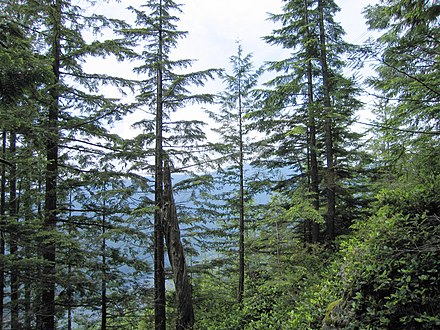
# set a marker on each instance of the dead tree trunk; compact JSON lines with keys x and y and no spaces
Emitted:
{"x":185,"y":311}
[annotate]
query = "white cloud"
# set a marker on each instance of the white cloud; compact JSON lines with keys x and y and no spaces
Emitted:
{"x":215,"y":25}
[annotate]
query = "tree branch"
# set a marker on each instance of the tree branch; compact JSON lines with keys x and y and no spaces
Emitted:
{"x":4,"y":161}
{"x":399,"y":129}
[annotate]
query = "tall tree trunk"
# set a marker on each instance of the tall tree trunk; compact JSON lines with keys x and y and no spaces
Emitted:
{"x":159,"y":267}
{"x":37,"y":301}
{"x":2,"y":229}
{"x":13,"y":248}
{"x":50,"y":205}
{"x":26,"y":208}
{"x":69,"y":268}
{"x":330,"y":180}
{"x":314,"y":177}
{"x":241,"y":197}
{"x":185,"y":311}
{"x":27,"y":306}
{"x":26,"y":278}
{"x":104,"y":276}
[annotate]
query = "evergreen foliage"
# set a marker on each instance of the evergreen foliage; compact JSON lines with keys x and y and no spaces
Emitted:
{"x":164,"y":90}
{"x":313,"y":225}
{"x":307,"y":113}
{"x":233,"y":152}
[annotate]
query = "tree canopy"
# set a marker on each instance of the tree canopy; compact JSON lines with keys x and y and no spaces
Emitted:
{"x":274,"y":210}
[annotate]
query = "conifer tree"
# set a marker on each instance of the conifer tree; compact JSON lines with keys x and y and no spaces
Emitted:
{"x":51,"y":177}
{"x":22,"y":72}
{"x":163,"y":91}
{"x":407,"y":76}
{"x":236,"y":101}
{"x":13,"y":246}
{"x":328,"y":126}
{"x":295,"y":97}
{"x":185,"y":309}
{"x":313,"y":93}
{"x":64,"y":107}
{"x":313,"y":177}
{"x":103,"y":267}
{"x":406,"y":143}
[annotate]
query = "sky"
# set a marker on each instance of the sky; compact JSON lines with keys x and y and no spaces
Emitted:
{"x":215,"y":25}
{"x":213,"y":28}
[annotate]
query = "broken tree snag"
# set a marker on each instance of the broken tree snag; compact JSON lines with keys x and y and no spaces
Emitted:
{"x":185,"y":311}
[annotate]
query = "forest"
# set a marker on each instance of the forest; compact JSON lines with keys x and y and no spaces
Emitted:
{"x":276,"y":213}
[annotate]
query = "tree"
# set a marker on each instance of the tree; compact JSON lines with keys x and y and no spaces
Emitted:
{"x":22,"y":72}
{"x":330,"y":178}
{"x":185,"y":309}
{"x":312,"y":146}
{"x":407,"y":79}
{"x":236,"y":101}
{"x":51,"y":178}
{"x":165,"y":89}
{"x":13,"y":246}
{"x":315,"y":93}
{"x":103,"y":268}
{"x":297,"y":94}
{"x":56,"y":89}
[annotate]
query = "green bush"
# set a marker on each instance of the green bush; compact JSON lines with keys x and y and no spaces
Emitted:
{"x":390,"y":269}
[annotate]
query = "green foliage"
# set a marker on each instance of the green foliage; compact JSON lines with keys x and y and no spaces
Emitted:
{"x":302,"y":209}
{"x":384,"y":274}
{"x":408,"y":69}
{"x":391,"y":272}
{"x":215,"y":301}
{"x":21,"y":70}
{"x":280,"y":293}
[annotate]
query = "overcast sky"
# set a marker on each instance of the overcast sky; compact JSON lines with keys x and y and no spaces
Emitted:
{"x":214,"y":26}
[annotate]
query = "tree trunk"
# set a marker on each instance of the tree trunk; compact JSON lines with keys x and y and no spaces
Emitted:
{"x":104,"y":276}
{"x":13,"y":248}
{"x":159,"y":267}
{"x":314,"y":177}
{"x":2,"y":232}
{"x":185,"y":311}
{"x":104,"y":289}
{"x":241,"y":197}
{"x":330,"y":180}
{"x":26,"y":207}
{"x":37,"y":300}
{"x":27,"y":306}
{"x":50,"y":205}
{"x":69,"y":269}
